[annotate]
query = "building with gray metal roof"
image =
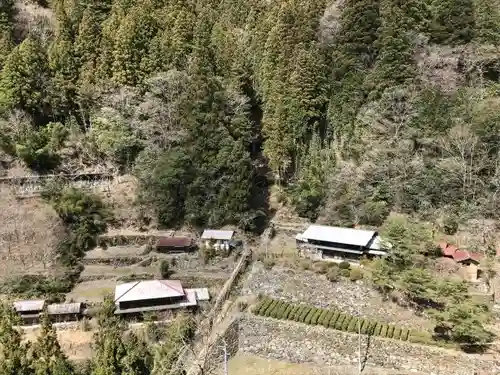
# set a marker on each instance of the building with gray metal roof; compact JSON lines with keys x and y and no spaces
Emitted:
{"x":152,"y":295}
{"x":212,"y":234}
{"x":335,"y":243}
{"x":29,"y":306}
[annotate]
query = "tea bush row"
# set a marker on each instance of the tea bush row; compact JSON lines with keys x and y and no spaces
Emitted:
{"x":335,"y":319}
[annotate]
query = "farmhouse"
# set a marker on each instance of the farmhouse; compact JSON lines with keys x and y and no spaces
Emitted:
{"x":467,"y":259}
{"x":155,"y":295}
{"x":218,"y":239}
{"x":29,"y":311}
{"x":320,"y":242}
{"x":174,"y":244}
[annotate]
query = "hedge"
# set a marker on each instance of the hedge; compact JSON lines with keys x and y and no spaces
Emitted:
{"x":383,"y":331}
{"x":337,"y":320}
{"x":265,"y":307}
{"x":390,"y":332}
{"x":322,"y":316}
{"x":309,"y":316}
{"x":334,"y":319}
{"x":274,"y":311}
{"x":353,"y":325}
{"x":288,"y":311}
{"x":305,"y":311}
{"x":316,"y":316}
{"x":397,"y":333}
{"x":346,"y":322}
{"x":326,"y":320}
{"x":271,"y":308}
{"x":340,"y":320}
{"x":404,"y":334}
{"x":295,"y":313}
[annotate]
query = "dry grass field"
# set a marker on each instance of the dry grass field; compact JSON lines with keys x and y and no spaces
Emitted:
{"x":29,"y":232}
{"x":76,"y":343}
{"x":244,"y":364}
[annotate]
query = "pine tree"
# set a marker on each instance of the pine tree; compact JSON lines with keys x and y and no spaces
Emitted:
{"x":138,"y":360}
{"x":6,"y":40}
{"x":48,"y":358}
{"x":109,"y":347}
{"x":487,"y":16}
{"x":132,"y":45}
{"x":360,"y":23}
{"x":65,"y":73}
{"x":401,"y":22}
{"x":25,"y":79}
{"x":453,"y":21}
{"x":308,"y":92}
{"x":220,"y":192}
{"x":14,"y":358}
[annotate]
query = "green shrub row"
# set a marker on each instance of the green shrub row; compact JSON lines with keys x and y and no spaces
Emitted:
{"x":336,"y":320}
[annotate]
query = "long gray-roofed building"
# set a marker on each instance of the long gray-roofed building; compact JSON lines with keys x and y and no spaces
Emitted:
{"x":152,"y":295}
{"x":321,"y":242}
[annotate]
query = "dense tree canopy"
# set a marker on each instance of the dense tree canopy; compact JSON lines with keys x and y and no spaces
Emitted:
{"x":215,"y":91}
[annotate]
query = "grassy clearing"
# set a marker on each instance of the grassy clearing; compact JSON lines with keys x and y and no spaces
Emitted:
{"x":246,"y":364}
{"x":92,"y":291}
{"x":74,"y":342}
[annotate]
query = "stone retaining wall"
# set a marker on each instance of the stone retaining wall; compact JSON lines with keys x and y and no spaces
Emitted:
{"x":297,"y":343}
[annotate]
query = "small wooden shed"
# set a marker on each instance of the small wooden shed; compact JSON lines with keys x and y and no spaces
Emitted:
{"x":30,"y":310}
{"x":65,"y":312}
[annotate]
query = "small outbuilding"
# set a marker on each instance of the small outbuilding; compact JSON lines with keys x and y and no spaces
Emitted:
{"x":65,"y":312}
{"x":218,"y":239}
{"x":174,"y":244}
{"x":30,"y":310}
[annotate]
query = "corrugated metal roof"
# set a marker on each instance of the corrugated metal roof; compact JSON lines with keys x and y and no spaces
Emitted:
{"x":32,"y":305}
{"x":211,"y":234}
{"x":148,"y":289}
{"x":202,"y":294}
{"x":347,"y":236}
{"x":64,"y":308}
{"x":174,"y":242}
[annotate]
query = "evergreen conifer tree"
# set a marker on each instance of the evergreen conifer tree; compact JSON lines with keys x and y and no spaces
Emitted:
{"x":360,"y":23}
{"x":132,"y":45}
{"x":14,"y":353}
{"x":6,"y":41}
{"x":48,"y":358}
{"x":109,"y":347}
{"x":453,"y":21}
{"x":25,"y":79}
{"x":487,"y":17}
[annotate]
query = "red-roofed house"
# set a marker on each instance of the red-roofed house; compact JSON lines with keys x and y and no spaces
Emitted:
{"x":447,"y":250}
{"x":463,"y":257}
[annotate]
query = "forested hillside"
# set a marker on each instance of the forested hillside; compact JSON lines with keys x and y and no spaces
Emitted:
{"x":355,"y":108}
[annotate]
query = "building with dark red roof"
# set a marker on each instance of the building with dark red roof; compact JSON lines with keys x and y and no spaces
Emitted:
{"x":174,"y":244}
